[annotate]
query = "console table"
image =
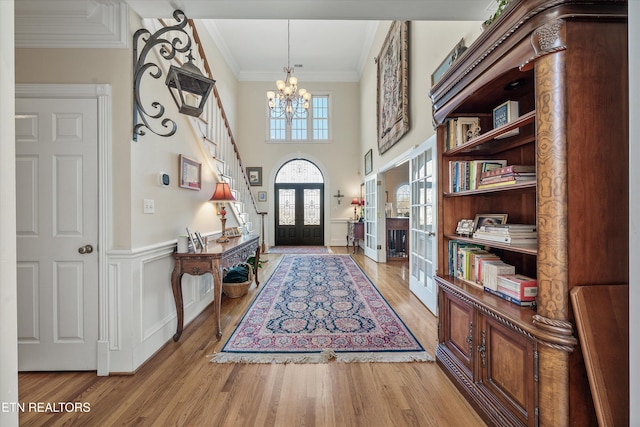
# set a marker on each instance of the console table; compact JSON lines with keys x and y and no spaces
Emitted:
{"x":213,"y":259}
{"x":355,"y":232}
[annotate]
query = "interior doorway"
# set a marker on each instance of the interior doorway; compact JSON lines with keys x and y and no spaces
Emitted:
{"x":299,"y":204}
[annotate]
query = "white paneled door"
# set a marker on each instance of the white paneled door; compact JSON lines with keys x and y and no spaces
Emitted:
{"x":374,"y":222}
{"x":57,"y":232}
{"x":422,"y":257}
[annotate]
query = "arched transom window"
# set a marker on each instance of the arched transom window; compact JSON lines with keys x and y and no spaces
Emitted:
{"x":299,"y":171}
{"x":403,"y":198}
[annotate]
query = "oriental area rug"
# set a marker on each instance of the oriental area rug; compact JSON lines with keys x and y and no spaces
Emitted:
{"x":298,"y":250}
{"x":318,"y":308}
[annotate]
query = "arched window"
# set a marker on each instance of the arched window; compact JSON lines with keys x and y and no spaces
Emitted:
{"x":299,"y":171}
{"x":403,"y":198}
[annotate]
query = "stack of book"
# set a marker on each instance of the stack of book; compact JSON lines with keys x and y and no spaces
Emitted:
{"x":475,"y":265}
{"x":515,"y":234}
{"x":507,"y":175}
{"x":492,"y":270}
{"x":516,"y":288}
{"x":458,"y":131}
{"x":465,"y":175}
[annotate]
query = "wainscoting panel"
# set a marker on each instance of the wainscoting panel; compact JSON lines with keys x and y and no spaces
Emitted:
{"x":142,"y":313}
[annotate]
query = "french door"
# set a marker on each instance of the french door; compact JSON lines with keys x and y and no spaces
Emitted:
{"x":299,"y":210}
{"x":374,"y":229}
{"x":422,"y":256}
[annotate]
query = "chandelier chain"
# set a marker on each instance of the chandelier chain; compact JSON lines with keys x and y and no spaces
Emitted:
{"x":288,"y":102}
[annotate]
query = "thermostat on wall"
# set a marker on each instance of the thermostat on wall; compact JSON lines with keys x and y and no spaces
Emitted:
{"x":163,"y":179}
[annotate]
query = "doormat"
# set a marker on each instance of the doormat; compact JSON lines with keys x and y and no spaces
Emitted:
{"x":298,"y":250}
{"x":317,"y":308}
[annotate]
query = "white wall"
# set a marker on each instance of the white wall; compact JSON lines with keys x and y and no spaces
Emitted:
{"x":339,"y":158}
{"x":429,"y":44}
{"x":8,"y":292}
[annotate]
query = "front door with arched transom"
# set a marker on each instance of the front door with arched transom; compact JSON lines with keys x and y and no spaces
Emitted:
{"x":299,"y":204}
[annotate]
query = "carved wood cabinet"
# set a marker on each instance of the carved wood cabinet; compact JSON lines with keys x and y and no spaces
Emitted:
{"x":565,"y":63}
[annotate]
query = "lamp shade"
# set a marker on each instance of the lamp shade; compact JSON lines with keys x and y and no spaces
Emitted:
{"x":222,"y":193}
{"x":355,"y":201}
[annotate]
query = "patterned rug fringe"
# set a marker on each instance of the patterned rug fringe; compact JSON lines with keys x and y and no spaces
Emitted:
{"x":324,"y":357}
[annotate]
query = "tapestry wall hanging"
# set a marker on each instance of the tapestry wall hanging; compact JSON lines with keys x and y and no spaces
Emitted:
{"x":393,"y":92}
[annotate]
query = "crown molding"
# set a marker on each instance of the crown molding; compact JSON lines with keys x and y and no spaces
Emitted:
{"x":71,"y":24}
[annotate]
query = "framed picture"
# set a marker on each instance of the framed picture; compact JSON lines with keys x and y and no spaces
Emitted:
{"x":393,"y":82}
{"x":262,"y":196}
{"x":190,"y":173}
{"x":200,"y":239}
{"x":368,"y":162}
{"x":448,"y":61}
{"x":255,"y":176}
{"x":488,"y":219}
{"x":191,"y":239}
{"x":503,"y":114}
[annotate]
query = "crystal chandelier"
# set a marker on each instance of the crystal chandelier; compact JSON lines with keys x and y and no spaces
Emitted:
{"x":289,"y":101}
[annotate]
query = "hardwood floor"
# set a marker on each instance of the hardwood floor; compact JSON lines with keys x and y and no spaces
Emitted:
{"x":179,"y":386}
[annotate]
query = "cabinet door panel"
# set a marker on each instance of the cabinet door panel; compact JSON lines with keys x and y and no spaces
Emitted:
{"x":458,"y":331}
{"x":506,"y":361}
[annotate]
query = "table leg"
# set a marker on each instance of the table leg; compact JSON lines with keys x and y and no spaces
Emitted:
{"x":256,"y":265}
{"x":176,"y":286}
{"x":217,"y":296}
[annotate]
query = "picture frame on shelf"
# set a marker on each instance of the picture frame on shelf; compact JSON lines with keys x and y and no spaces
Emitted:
{"x":262,"y":196}
{"x":392,"y":63}
{"x":255,"y":176}
{"x":368,"y":162}
{"x":465,"y":227}
{"x":506,"y":113}
{"x":452,"y":57}
{"x":200,"y":239}
{"x":488,"y":219}
{"x":191,"y":239}
{"x":190,"y":173}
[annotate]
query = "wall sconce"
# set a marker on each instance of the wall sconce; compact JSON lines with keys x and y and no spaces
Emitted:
{"x":222,"y":194}
{"x":355,"y":202}
{"x":188,"y":86}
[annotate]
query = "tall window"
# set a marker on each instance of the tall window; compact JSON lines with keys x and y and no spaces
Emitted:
{"x":315,"y":127}
{"x":403,"y":199}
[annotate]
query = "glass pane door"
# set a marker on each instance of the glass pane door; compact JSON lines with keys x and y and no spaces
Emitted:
{"x":422,"y":259}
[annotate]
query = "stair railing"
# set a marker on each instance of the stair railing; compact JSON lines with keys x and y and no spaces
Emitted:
{"x":218,"y":144}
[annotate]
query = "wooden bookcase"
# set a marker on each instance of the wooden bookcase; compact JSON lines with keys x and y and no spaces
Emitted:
{"x":565,"y":62}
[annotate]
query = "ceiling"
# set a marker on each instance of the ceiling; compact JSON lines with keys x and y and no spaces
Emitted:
{"x":330,"y":39}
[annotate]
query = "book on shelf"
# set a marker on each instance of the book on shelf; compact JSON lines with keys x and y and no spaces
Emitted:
{"x":508,"y":228}
{"x":464,"y":261}
{"x":466,"y":175}
{"x":476,"y":265}
{"x":512,"y":240}
{"x":491,"y":271}
{"x":459,"y":130}
{"x":509,"y":298}
{"x":524,"y":176}
{"x":454,"y":246}
{"x":510,"y":169}
{"x":521,"y":287}
{"x":506,"y":113}
{"x":505,"y":183}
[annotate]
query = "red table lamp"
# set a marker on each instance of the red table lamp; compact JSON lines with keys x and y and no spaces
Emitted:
{"x":222,"y":194}
{"x":355,"y":202}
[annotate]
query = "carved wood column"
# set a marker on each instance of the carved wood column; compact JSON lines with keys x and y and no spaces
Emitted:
{"x":553,"y":284}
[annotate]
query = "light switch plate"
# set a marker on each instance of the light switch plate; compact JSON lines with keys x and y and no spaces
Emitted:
{"x":149,"y":206}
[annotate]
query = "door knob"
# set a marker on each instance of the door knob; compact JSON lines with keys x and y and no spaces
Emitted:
{"x":86,"y":249}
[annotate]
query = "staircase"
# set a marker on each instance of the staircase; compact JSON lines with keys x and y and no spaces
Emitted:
{"x":216,"y":139}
